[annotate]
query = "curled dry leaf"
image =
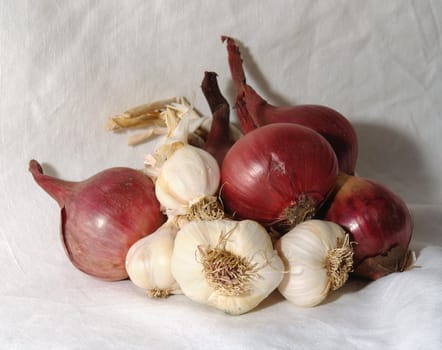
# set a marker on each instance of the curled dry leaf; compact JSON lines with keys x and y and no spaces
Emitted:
{"x":175,"y":119}
{"x":158,"y":118}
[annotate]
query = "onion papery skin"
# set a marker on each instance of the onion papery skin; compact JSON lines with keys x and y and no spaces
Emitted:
{"x":379,"y":222}
{"x":276,"y":171}
{"x":332,"y":125}
{"x":102,"y":216}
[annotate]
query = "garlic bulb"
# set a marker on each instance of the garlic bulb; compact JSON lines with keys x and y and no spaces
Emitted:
{"x":230,"y":265}
{"x":148,"y":262}
{"x":187,"y":184}
{"x":318,"y":256}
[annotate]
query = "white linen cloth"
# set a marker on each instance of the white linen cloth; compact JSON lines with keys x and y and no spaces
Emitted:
{"x":66,"y":66}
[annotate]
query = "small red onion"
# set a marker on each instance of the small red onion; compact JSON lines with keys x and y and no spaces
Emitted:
{"x":278,"y":175}
{"x":378,"y":221}
{"x":253,"y":112}
{"x":101,"y":217}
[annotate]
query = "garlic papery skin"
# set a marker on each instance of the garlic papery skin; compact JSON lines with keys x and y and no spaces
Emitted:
{"x":318,"y":256}
{"x":148,"y":262}
{"x":229,"y":265}
{"x":187,"y":184}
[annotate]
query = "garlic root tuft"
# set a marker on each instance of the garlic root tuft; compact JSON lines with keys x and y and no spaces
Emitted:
{"x":339,"y":262}
{"x":159,"y":293}
{"x":229,"y":274}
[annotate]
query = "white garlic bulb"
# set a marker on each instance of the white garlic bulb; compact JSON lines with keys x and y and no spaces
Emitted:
{"x":187,"y":184}
{"x":148,"y":262}
{"x":230,"y":265}
{"x":318,"y":256}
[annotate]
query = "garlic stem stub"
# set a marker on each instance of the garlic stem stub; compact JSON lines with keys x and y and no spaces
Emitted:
{"x":229,"y":265}
{"x":148,"y":262}
{"x":187,"y":184}
{"x":318,"y":256}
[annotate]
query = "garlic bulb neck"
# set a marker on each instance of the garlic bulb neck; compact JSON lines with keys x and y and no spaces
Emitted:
{"x":339,"y":262}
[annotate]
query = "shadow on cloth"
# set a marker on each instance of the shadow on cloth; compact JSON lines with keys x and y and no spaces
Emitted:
{"x":393,"y":159}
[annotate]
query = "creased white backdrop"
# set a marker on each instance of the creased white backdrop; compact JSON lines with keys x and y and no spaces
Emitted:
{"x":66,"y":66}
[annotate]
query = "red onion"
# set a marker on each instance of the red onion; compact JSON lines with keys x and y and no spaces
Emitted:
{"x":103,"y":216}
{"x":219,"y":139}
{"x":379,"y":222}
{"x":278,"y":175}
{"x":253,"y":112}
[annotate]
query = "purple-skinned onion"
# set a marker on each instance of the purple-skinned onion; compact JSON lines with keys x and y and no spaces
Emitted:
{"x":102,"y":216}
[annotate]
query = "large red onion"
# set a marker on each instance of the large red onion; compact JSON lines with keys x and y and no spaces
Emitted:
{"x":103,"y":216}
{"x":278,"y":175}
{"x":253,"y":112}
{"x":379,"y":222}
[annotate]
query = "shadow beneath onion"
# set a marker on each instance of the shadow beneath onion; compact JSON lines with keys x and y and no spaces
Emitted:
{"x":394,"y":160}
{"x":427,"y":221}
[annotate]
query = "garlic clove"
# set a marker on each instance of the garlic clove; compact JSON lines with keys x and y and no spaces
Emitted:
{"x":304,"y":286}
{"x":148,"y":262}
{"x":186,"y":268}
